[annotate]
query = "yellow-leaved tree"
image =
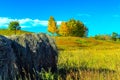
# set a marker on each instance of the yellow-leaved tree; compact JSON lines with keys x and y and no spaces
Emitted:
{"x":52,"y":28}
{"x":63,"y":30}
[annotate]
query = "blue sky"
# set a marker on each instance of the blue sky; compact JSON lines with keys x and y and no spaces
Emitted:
{"x":100,"y":16}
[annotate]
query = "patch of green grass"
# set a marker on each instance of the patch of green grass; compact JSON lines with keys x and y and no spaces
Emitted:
{"x":13,"y":32}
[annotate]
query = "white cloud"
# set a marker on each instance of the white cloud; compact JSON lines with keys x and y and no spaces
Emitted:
{"x":84,"y":15}
{"x":59,"y":22}
{"x":44,"y":23}
{"x":25,"y":26}
{"x":25,"y":23}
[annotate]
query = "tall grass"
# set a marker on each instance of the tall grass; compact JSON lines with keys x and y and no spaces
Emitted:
{"x":89,"y":59}
{"x":87,"y":64}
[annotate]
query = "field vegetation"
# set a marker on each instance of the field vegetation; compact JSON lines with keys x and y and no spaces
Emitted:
{"x":88,"y":59}
{"x":7,"y":32}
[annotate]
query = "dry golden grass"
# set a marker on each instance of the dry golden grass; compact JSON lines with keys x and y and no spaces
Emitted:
{"x":88,"y":59}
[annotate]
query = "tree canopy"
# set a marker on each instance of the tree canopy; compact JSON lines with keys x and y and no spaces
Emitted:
{"x":14,"y":25}
{"x":73,"y":28}
{"x":52,"y":27}
{"x":63,"y":29}
{"x":114,"y":36}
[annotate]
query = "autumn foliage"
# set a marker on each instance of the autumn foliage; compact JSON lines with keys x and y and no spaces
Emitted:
{"x":70,"y":28}
{"x":63,"y":30}
{"x":73,"y":28}
{"x":52,"y":28}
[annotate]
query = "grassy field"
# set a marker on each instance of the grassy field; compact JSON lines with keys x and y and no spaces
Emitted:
{"x":88,"y":59}
{"x":12,"y":32}
{"x":83,"y":58}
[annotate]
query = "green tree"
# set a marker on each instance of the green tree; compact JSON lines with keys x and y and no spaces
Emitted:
{"x":77,"y":28}
{"x":71,"y":26}
{"x":52,"y":28}
{"x":114,"y":36}
{"x":14,"y":25}
{"x":63,"y":30}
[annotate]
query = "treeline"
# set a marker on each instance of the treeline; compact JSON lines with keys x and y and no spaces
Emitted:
{"x":70,"y":28}
{"x":114,"y":36}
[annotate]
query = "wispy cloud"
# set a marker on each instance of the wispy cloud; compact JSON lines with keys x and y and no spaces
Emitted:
{"x":25,"y":23}
{"x":116,"y":16}
{"x":84,"y":15}
{"x":59,"y":22}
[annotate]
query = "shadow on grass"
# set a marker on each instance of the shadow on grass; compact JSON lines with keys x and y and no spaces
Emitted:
{"x":83,"y":71}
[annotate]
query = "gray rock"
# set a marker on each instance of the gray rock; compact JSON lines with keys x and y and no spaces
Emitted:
{"x":7,"y":60}
{"x":24,"y":56}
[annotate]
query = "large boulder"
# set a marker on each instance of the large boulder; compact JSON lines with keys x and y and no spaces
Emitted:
{"x":7,"y":60}
{"x":24,"y":56}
